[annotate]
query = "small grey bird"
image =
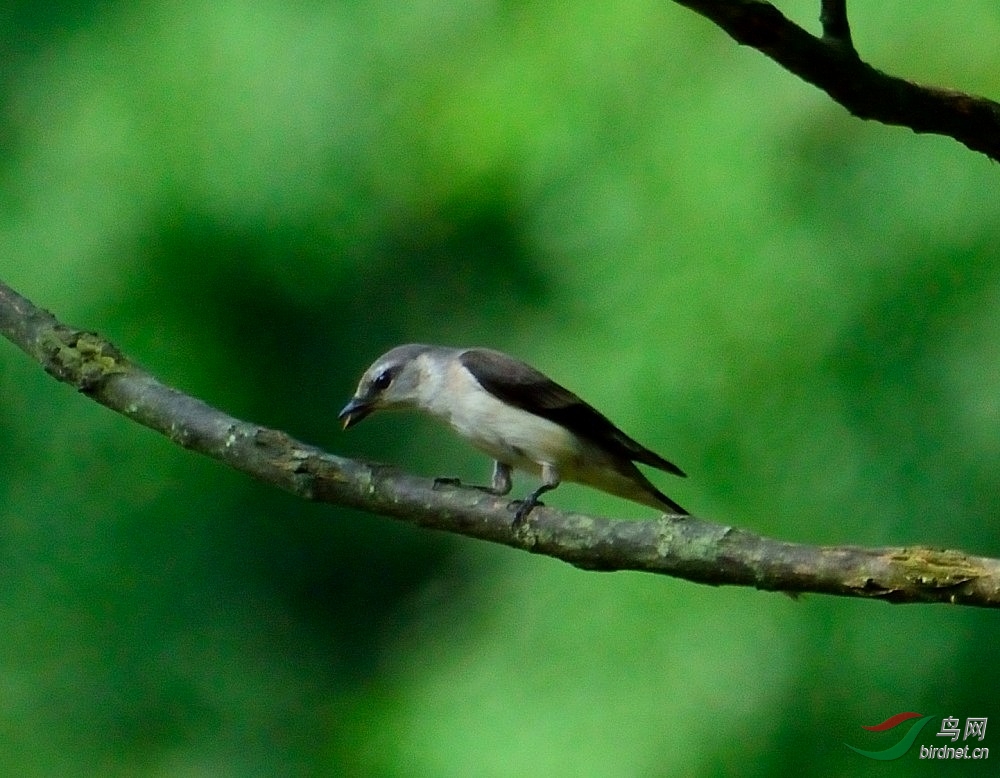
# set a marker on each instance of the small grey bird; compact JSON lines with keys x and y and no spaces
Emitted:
{"x":517,"y":415}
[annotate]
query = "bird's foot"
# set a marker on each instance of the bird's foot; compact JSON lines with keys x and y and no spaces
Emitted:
{"x":456,"y":483}
{"x":521,"y":510}
{"x":441,"y":483}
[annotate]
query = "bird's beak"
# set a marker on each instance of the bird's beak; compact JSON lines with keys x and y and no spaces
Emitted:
{"x":355,"y":411}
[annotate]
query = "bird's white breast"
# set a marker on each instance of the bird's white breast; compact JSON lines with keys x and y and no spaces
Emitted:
{"x":506,"y":433}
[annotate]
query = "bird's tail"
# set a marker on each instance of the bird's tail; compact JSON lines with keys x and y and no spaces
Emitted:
{"x":631,"y":484}
{"x":668,"y":503}
{"x":639,"y":453}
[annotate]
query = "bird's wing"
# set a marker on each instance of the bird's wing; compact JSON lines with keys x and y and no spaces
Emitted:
{"x":520,"y":385}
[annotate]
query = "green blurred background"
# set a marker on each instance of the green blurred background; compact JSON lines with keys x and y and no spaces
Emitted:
{"x":255,"y":200}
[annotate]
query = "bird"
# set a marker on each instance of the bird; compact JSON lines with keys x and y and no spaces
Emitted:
{"x":518,"y":416}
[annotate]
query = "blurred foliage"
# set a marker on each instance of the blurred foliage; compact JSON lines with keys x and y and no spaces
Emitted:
{"x":255,"y":200}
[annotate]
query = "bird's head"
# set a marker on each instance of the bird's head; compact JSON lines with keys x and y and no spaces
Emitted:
{"x":392,"y":381}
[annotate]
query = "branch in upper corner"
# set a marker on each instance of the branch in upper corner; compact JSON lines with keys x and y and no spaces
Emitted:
{"x":836,"y":27}
{"x":682,"y":547}
{"x":864,"y":91}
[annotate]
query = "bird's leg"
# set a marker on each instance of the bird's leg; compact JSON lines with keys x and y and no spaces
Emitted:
{"x":550,"y":480}
{"x":499,"y":485}
{"x":501,"y":482}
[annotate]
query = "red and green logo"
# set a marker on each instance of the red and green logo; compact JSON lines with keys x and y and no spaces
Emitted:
{"x":904,"y":743}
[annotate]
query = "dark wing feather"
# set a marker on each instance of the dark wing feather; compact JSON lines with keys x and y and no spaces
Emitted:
{"x":520,"y":385}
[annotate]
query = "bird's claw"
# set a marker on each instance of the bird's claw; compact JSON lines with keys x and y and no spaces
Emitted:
{"x":521,"y":510}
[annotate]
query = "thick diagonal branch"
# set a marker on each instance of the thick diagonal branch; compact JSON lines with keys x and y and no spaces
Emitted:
{"x":836,"y":69}
{"x":688,"y":548}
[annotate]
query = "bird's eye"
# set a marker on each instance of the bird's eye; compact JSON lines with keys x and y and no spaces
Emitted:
{"x":382,"y":380}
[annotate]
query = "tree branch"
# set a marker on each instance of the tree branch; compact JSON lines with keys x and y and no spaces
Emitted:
{"x":832,"y":64}
{"x":690,"y":548}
